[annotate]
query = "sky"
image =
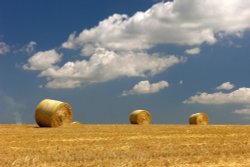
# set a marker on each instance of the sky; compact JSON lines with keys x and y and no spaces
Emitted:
{"x":108,"y":58}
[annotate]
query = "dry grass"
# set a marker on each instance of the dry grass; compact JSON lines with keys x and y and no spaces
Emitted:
{"x":125,"y":145}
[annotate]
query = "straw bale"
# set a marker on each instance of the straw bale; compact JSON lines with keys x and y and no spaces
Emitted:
{"x":140,"y":117}
{"x":53,"y":113}
{"x":198,"y":119}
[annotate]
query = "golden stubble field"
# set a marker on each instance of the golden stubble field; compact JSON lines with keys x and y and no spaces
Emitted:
{"x":125,"y":145}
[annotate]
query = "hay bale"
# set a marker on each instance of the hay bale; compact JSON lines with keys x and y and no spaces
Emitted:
{"x":53,"y":113}
{"x":140,"y":117}
{"x":198,"y":119}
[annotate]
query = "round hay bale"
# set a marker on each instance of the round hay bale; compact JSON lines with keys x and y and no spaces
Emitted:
{"x":198,"y":119}
{"x":53,"y":113}
{"x":140,"y":117}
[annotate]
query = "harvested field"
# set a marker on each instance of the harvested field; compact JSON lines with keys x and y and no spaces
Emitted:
{"x":125,"y":145}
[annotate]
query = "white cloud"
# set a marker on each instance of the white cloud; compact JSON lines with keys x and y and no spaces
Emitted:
{"x":245,"y":111}
{"x":193,"y":51}
{"x":145,"y":87}
{"x":225,"y":86}
{"x":63,"y":83}
{"x":239,"y":96}
{"x":181,"y":82}
{"x":30,"y":48}
{"x":88,"y":50}
{"x":4,"y":48}
{"x":43,"y":60}
{"x":185,"y":22}
{"x":105,"y":65}
{"x":118,"y":46}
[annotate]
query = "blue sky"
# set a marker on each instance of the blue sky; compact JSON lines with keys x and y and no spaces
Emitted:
{"x":108,"y":58}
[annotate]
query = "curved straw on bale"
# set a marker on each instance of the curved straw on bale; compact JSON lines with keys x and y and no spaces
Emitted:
{"x":53,"y":113}
{"x":140,"y":117}
{"x":198,"y":119}
{"x":76,"y":123}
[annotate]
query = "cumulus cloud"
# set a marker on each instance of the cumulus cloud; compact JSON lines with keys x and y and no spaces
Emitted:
{"x":225,"y":86}
{"x":43,"y":60}
{"x":4,"y":48}
{"x":239,"y":96}
{"x":193,"y":51}
{"x":105,"y":65}
{"x":145,"y":87}
{"x":184,"y":22}
{"x":119,"y":45}
{"x":88,"y":50}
